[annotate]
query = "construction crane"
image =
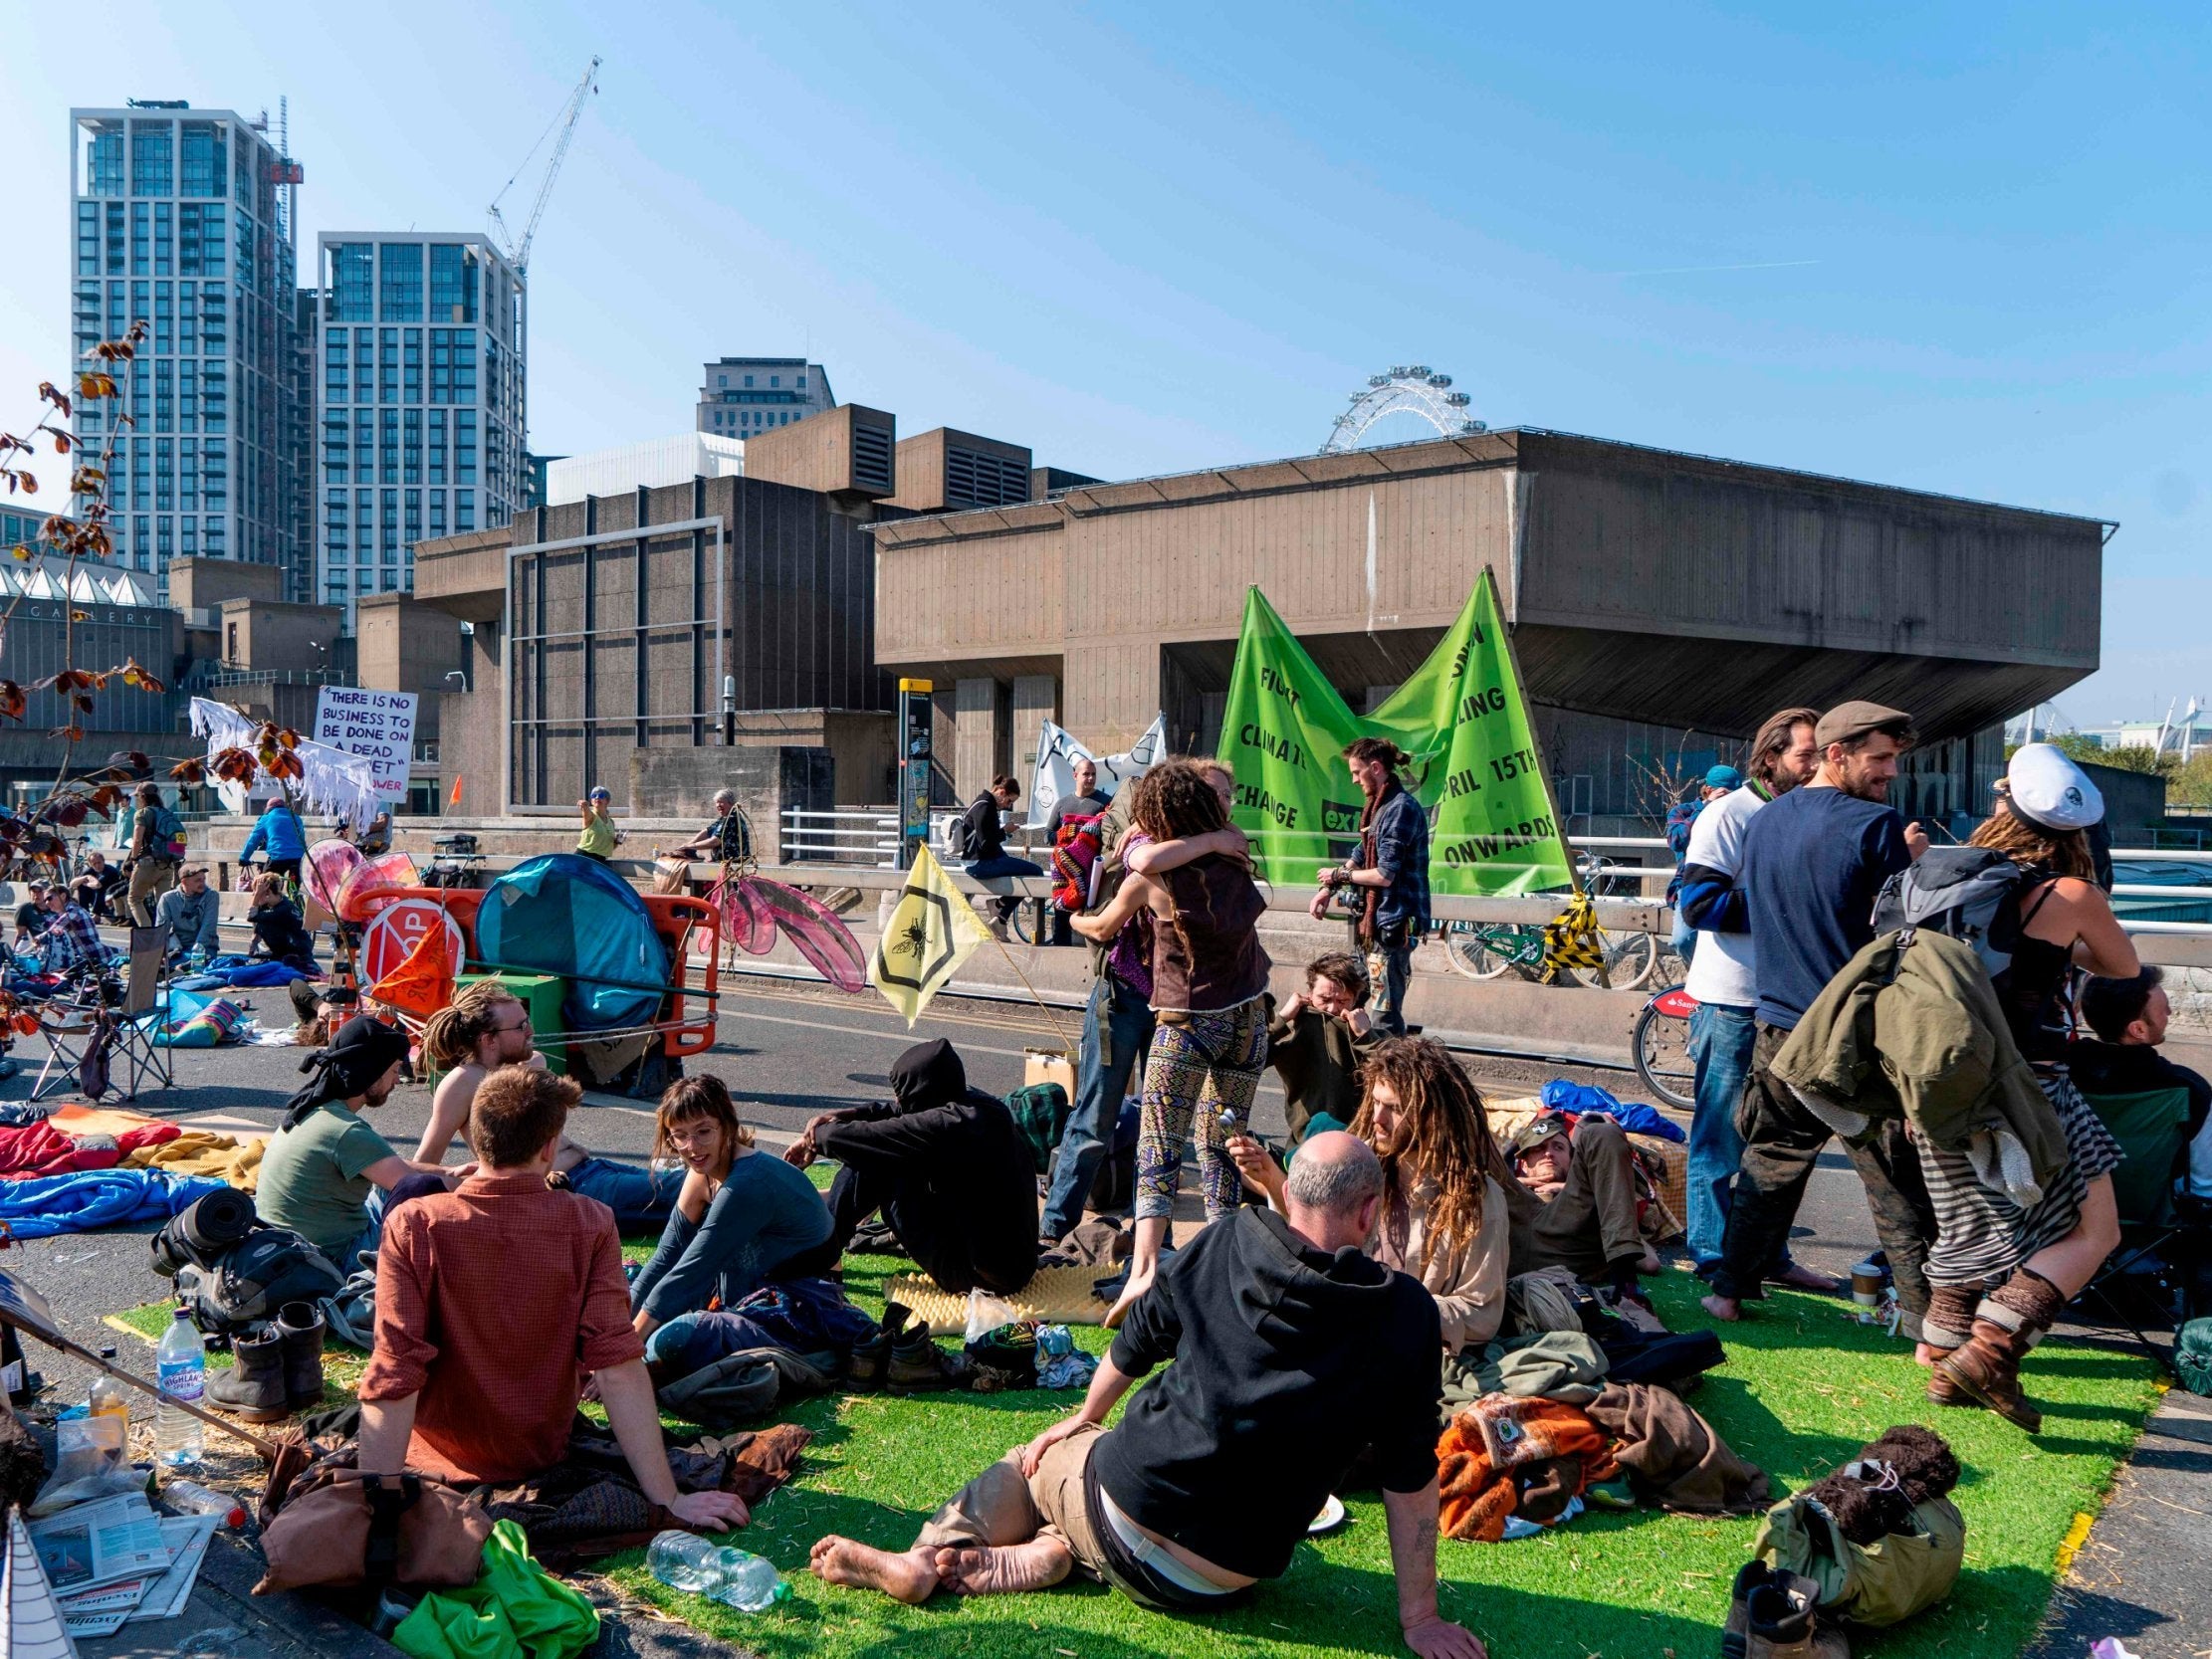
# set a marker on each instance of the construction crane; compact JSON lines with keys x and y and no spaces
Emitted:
{"x":518,"y":252}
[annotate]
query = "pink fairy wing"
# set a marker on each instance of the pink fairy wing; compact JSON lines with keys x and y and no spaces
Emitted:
{"x":814,"y":930}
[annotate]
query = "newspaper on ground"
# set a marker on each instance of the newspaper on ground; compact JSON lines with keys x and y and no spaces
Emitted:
{"x":102,"y":1612}
{"x":91,"y":1546}
{"x":186,"y":1536}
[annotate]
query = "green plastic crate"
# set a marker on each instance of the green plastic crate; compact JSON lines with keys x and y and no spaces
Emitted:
{"x":541,"y":994}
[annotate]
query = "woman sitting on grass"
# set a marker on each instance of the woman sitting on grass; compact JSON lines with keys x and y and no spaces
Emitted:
{"x":740,"y":1220}
{"x":1443,"y":1219}
{"x":278,"y":934}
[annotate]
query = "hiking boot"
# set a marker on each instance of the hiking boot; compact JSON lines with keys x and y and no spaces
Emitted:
{"x":2006,"y":1325}
{"x":871,"y":1355}
{"x":1753,"y":1574}
{"x":300,"y":1326}
{"x":1944,"y":1327}
{"x":254,"y":1388}
{"x":919,"y":1367}
{"x":1782,"y":1619}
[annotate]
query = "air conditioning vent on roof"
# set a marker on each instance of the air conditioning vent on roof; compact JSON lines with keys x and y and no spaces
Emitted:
{"x":871,"y":458}
{"x":973,"y":479}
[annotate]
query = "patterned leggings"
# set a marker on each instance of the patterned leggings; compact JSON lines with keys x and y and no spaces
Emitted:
{"x":1200,"y":1067}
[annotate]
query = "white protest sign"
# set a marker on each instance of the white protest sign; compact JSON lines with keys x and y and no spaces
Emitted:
{"x":378,"y":726}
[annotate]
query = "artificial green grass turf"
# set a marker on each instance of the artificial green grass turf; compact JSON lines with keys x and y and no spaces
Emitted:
{"x":1805,"y":1387}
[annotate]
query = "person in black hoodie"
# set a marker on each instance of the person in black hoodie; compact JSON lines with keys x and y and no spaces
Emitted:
{"x":945,"y":1165}
{"x":1292,"y":1351}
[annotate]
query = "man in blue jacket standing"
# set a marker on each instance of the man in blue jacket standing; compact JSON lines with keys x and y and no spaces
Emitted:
{"x":277,"y":836}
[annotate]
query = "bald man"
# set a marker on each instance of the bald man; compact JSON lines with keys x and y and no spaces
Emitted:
{"x":1206,"y":1485}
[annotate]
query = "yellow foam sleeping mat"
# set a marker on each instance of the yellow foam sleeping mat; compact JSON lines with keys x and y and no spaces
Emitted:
{"x":1055,"y":1295}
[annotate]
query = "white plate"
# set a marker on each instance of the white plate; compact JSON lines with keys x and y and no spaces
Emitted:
{"x":1330,"y":1517}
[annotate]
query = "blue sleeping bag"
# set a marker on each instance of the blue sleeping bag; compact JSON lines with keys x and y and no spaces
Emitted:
{"x":1633,"y":1115}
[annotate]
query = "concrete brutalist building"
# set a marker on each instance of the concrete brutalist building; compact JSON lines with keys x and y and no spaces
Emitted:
{"x":1661,"y":604}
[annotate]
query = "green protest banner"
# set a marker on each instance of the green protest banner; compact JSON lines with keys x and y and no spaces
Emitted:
{"x":1462,"y":717}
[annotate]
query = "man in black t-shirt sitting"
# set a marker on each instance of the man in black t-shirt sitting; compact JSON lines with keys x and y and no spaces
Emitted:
{"x":728,"y":839}
{"x":1292,"y":1351}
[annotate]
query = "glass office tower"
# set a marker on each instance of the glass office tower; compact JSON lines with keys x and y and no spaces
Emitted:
{"x":184,"y":218}
{"x":420,"y":397}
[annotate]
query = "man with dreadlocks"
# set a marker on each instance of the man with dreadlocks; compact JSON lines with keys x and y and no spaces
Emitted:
{"x":1443,"y":1217}
{"x":324,"y":1160}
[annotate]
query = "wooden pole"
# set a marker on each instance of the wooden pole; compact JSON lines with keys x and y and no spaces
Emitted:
{"x":54,"y":1339}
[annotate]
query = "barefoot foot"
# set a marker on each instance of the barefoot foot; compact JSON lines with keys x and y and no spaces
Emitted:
{"x":1009,"y":1570}
{"x":910,"y":1577}
{"x":1724,"y":1308}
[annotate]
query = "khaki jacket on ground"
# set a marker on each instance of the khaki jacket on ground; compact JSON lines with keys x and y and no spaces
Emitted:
{"x":1912,"y":1027}
{"x":1467,"y":1280}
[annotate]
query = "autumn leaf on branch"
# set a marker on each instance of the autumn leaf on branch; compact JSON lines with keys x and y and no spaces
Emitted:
{"x":12,"y":701}
{"x":189,"y":772}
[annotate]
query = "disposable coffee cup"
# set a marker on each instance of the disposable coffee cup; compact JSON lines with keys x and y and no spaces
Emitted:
{"x":1866,"y":1285}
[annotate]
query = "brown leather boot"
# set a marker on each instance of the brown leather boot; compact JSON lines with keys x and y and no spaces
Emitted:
{"x":1945,"y":1327}
{"x":2006,"y":1325}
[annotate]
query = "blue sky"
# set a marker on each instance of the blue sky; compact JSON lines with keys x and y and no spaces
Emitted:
{"x":1961,"y":249}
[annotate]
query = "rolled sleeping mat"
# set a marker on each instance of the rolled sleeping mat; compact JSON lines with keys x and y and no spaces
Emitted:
{"x":205,"y":1230}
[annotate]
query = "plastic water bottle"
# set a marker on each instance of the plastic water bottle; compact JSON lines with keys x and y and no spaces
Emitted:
{"x":108,"y":1398}
{"x":181,"y":1370}
{"x":191,"y":1497}
{"x":734,"y":1577}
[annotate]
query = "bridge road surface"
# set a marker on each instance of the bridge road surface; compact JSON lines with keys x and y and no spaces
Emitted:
{"x":789,"y":1051}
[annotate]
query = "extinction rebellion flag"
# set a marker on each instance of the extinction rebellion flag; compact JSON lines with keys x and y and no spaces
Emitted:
{"x":930,"y":932}
{"x":1460,"y":717}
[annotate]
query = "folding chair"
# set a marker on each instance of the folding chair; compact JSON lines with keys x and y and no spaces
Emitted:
{"x":2156,"y":1229}
{"x":144,"y":1058}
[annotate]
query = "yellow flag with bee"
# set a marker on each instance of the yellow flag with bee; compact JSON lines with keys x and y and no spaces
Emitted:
{"x":930,"y":932}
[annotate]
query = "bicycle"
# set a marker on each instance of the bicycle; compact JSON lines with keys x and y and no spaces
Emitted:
{"x":1486,"y":950}
{"x":1661,"y":1046}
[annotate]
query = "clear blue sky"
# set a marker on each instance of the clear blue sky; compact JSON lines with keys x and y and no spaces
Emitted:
{"x":1964,"y":248}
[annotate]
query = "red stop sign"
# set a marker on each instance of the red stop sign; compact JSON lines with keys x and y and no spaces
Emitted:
{"x":398,"y":928}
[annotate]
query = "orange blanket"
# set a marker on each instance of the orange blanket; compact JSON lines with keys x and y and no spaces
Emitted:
{"x":1501,"y":1448}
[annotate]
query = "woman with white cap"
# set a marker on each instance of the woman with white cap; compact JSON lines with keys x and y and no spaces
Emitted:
{"x":1999,"y":1274}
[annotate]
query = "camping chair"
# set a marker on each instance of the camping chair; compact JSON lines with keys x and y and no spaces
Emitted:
{"x":142,"y":1013}
{"x":2156,"y":1227}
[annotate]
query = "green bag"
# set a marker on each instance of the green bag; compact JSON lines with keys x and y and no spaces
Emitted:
{"x":516,"y":1609}
{"x":2192,"y":1355}
{"x":1039,"y":1113}
{"x":1875,"y":1583}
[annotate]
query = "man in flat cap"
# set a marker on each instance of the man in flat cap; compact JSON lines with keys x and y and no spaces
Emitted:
{"x":1813,"y":861}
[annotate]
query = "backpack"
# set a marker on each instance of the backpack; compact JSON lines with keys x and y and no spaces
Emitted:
{"x":1039,"y":1113}
{"x":245,"y":1285}
{"x":168,"y":840}
{"x":1075,"y":847}
{"x":1970,"y":894}
{"x":956,"y":838}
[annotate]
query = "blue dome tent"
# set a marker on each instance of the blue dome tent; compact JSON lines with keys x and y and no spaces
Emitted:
{"x":574,"y":916}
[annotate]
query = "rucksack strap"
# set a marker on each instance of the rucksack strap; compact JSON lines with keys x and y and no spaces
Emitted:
{"x":386,"y":1503}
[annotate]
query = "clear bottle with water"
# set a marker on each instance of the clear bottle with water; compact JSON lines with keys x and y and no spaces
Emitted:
{"x":734,"y":1577}
{"x":181,"y":1370}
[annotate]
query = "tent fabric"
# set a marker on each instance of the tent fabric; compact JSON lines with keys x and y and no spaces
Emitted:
{"x":573,"y":916}
{"x":79,"y":1203}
